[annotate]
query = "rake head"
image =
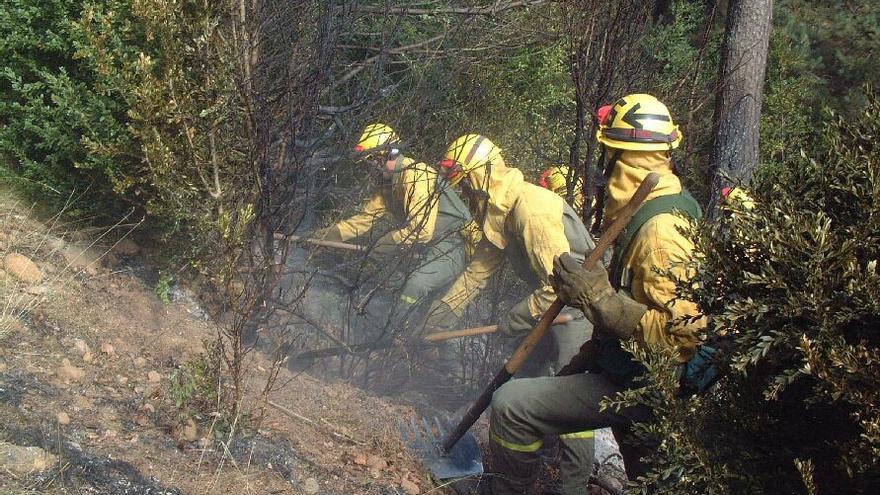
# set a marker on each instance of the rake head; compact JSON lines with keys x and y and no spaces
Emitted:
{"x":424,"y":437}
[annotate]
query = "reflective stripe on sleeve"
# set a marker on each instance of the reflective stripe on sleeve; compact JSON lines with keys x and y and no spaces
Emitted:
{"x":408,"y":299}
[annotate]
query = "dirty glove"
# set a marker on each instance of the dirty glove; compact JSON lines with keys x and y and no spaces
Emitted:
{"x":518,"y":321}
{"x":441,"y":318}
{"x":591,"y":292}
{"x":331,"y":233}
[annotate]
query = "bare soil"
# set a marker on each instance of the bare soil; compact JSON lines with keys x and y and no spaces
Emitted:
{"x":86,"y":358}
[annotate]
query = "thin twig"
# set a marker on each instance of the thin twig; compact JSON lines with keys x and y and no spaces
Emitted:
{"x":327,"y":426}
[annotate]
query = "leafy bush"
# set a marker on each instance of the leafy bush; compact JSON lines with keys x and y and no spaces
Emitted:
{"x":52,"y":106}
{"x":197,"y":387}
{"x":793,"y":284}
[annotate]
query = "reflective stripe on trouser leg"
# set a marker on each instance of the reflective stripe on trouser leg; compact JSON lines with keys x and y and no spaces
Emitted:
{"x":518,"y":447}
{"x":528,"y":409}
{"x":514,"y":444}
{"x":579,"y":435}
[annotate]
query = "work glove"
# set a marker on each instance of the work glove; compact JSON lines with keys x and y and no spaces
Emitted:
{"x":518,"y":321}
{"x":591,"y":292}
{"x":331,"y":233}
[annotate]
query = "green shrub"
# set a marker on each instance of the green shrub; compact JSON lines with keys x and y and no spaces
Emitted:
{"x":793,"y":283}
{"x":53,"y":107}
{"x":196,"y":387}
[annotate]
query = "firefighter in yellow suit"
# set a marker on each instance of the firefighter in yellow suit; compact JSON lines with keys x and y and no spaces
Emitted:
{"x":556,"y":179}
{"x":426,"y":213}
{"x":635,"y":299}
{"x":526,"y":226}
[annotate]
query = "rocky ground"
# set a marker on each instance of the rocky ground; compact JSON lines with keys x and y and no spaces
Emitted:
{"x":87,"y":406}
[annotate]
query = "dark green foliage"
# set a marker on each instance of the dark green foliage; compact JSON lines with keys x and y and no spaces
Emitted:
{"x":52,"y":106}
{"x":793,"y":282}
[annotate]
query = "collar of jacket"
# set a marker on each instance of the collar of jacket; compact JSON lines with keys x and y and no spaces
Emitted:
{"x":400,"y":164}
{"x":503,"y":185}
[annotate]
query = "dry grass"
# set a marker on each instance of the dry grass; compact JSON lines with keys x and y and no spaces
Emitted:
{"x":60,"y":251}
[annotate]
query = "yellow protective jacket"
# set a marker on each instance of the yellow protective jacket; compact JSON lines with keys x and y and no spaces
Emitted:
{"x":413,"y":200}
{"x":525,"y":224}
{"x":658,"y":247}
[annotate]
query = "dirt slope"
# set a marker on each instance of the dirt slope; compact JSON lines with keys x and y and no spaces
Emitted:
{"x":86,"y":357}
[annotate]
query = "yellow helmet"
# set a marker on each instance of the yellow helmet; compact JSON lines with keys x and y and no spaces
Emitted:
{"x":731,"y":197}
{"x":376,"y":136}
{"x":468,"y":153}
{"x":555,"y":179}
{"x":639,"y":122}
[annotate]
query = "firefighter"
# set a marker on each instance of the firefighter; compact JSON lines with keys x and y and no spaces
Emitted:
{"x":428,"y":214}
{"x":526,"y":226}
{"x":556,"y":179}
{"x":633,"y":299}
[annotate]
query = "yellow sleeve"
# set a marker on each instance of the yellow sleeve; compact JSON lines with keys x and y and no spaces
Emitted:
{"x":545,"y":235}
{"x":420,"y":205}
{"x":487,"y":260}
{"x":361,"y":223}
{"x":662,"y":250}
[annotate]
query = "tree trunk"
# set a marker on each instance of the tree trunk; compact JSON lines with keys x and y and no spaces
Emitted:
{"x":738,"y":101}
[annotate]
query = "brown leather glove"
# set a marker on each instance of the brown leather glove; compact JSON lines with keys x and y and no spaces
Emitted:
{"x":591,"y":292}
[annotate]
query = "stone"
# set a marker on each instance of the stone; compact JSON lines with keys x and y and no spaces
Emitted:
{"x":376,"y":462}
{"x":3,"y":367}
{"x":140,"y":362}
{"x":21,"y":461}
{"x":22,"y":268}
{"x":88,"y":357}
{"x":67,"y":372}
{"x":63,"y":418}
{"x":38,"y":290}
{"x":81,"y":346}
{"x":410,"y":487}
{"x":154,"y":377}
{"x":190,"y":431}
{"x":55,"y":243}
{"x":310,"y":485}
{"x":606,"y":447}
{"x":107,"y":348}
{"x":81,"y":259}
{"x":111,"y":260}
{"x":126,"y":247}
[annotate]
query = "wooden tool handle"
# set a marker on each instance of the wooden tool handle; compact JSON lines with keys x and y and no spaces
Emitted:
{"x":320,"y":242}
{"x":525,"y":348}
{"x":468,"y":332}
{"x":606,"y":241}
